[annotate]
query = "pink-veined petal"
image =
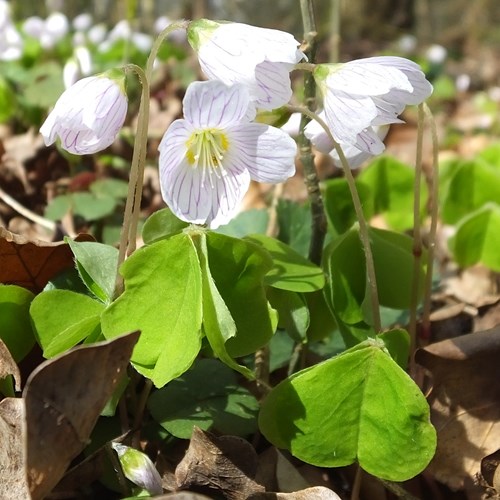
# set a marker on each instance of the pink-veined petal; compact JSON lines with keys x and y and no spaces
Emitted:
{"x":317,"y":135}
{"x":347,"y":116}
{"x":273,"y":88}
{"x":369,"y":141}
{"x":367,"y":79}
{"x":173,"y":147}
{"x":214,"y":104}
{"x":266,"y":152}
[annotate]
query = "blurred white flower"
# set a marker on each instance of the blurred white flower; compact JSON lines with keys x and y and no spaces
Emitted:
{"x":208,"y":158}
{"x":82,"y":22}
{"x":142,"y":41}
{"x":97,"y":34}
{"x":88,"y":115}
{"x":322,"y":142}
{"x":71,"y":73}
{"x":363,"y":93}
{"x":33,"y":26}
{"x":259,"y":58}
{"x":11,"y":43}
{"x":407,"y":44}
{"x":436,"y":54}
{"x":57,"y":25}
{"x":462,"y":82}
{"x":121,"y":31}
{"x":79,"y":39}
{"x":161,"y":23}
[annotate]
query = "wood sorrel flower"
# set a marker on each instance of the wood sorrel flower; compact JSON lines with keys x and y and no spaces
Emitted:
{"x":322,"y":142}
{"x":374,"y":91}
{"x":208,"y":158}
{"x":259,"y":58}
{"x":88,"y":115}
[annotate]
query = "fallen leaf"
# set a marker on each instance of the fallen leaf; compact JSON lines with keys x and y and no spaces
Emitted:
{"x":465,"y":403}
{"x":31,"y":264}
{"x":490,"y":470}
{"x":227,"y":464}
{"x":13,"y":481}
{"x":64,"y":398}
{"x":8,"y":366}
{"x":314,"y":493}
{"x":183,"y":495}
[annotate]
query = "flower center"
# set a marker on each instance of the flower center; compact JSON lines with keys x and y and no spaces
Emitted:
{"x":206,"y":149}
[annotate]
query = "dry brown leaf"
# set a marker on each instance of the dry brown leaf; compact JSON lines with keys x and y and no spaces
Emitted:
{"x":490,"y":470}
{"x":31,"y":264}
{"x":313,"y":493}
{"x":8,"y":366}
{"x":227,"y":464}
{"x":183,"y":495}
{"x":64,"y":398}
{"x":465,"y":403}
{"x":13,"y":481}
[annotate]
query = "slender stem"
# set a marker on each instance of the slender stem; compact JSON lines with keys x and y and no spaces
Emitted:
{"x":417,"y":235}
{"x":363,"y":226}
{"x":133,"y":203}
{"x":356,"y":486}
{"x":306,"y":155}
{"x":136,"y":170}
{"x":398,"y":490}
{"x":335,"y":31}
{"x":433,"y":229}
{"x":139,"y":412}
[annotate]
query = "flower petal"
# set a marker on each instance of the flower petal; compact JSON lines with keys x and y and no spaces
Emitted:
{"x":214,"y":104}
{"x":266,"y":152}
{"x":318,"y":137}
{"x":173,"y":147}
{"x":273,"y":88}
{"x":348,"y":115}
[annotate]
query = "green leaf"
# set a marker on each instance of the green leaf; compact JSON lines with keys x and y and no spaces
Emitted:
{"x":238,"y":268}
{"x":15,"y":324}
{"x":473,"y":184}
{"x":163,"y":299}
{"x":339,"y":206}
{"x":292,"y":310}
{"x":116,"y":188}
{"x":478,"y":238}
{"x":295,"y":224}
{"x":359,"y":406}
{"x":87,"y":205}
{"x":248,"y":222}
{"x":97,"y":265}
{"x":218,"y":323}
{"x":160,"y":225}
{"x":207,"y":396}
{"x":392,"y":187}
{"x":62,"y":319}
{"x":7,"y":101}
{"x":290,"y":270}
{"x":346,"y":291}
{"x":44,"y":85}
{"x":397,"y":342}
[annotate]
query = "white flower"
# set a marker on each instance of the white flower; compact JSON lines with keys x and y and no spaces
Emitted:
{"x":360,"y":94}
{"x":33,"y":26}
{"x":259,"y":58}
{"x":82,"y":22}
{"x":97,"y":34}
{"x":88,"y":116}
{"x":322,"y":142}
{"x":208,"y":158}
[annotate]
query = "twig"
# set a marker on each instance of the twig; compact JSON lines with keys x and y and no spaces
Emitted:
{"x":398,"y":490}
{"x":26,"y":212}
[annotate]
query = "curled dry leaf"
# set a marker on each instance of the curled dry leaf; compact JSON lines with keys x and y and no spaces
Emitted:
{"x":227,"y":464}
{"x":13,"y":481}
{"x":465,"y":403}
{"x":8,"y":366}
{"x":31,"y":264}
{"x":64,"y":398}
{"x":490,"y":470}
{"x":313,"y":493}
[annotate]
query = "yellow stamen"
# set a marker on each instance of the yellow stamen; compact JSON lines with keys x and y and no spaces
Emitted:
{"x":206,"y":150}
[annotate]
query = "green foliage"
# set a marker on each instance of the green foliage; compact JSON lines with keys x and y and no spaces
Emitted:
{"x":62,"y":319}
{"x":87,"y":205}
{"x":162,"y":298}
{"x":245,"y":223}
{"x":161,"y":224}
{"x":208,"y":396}
{"x":478,"y":238}
{"x":290,"y":271}
{"x":96,"y":264}
{"x":15,"y":325}
{"x":310,"y":414}
{"x":7,"y":101}
{"x":346,"y":291}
